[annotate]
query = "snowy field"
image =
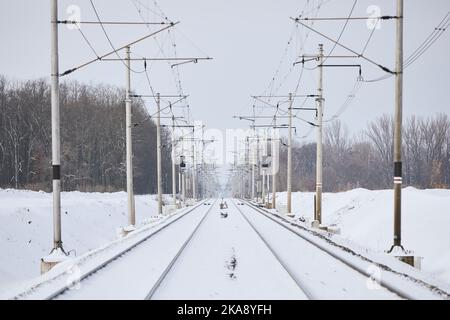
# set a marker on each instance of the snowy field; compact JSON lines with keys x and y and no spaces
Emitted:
{"x":89,"y":220}
{"x":366,"y":218}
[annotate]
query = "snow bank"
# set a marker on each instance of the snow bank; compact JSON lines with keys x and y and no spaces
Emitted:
{"x":366,"y":218}
{"x":89,"y":220}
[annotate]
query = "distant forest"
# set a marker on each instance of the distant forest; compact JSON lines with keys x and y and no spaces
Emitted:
{"x":366,"y":160}
{"x":93,"y":145}
{"x":92,"y":138}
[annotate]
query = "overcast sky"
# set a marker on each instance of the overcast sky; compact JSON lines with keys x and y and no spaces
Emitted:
{"x":247,"y":40}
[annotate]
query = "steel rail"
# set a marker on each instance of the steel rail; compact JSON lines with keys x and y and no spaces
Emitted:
{"x":177,"y":255}
{"x":121,"y":253}
{"x":302,"y":287}
{"x":390,"y":287}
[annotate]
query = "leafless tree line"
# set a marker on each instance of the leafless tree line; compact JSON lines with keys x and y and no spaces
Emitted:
{"x":92,"y":137}
{"x":366,"y":160}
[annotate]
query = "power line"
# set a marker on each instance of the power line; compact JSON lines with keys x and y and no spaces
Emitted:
{"x":160,"y":46}
{"x":437,"y":32}
{"x":369,"y":39}
{"x":341,"y":33}
{"x":290,"y":41}
{"x":345,"y":47}
{"x":109,"y":40}
{"x":175,"y":73}
{"x":272,"y":83}
{"x":88,"y":42}
{"x":350,"y":97}
{"x":148,"y":9}
{"x":433,"y":37}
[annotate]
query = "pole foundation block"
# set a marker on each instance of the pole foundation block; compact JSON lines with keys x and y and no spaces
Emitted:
{"x":315,"y":224}
{"x":169,"y":208}
{"x":333,"y":229}
{"x":282,"y":209}
{"x":54,"y":258}
{"x":406,"y":256}
{"x":124,"y":231}
{"x":413,"y":261}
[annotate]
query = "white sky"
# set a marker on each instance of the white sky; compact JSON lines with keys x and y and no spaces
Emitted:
{"x":246,"y":40}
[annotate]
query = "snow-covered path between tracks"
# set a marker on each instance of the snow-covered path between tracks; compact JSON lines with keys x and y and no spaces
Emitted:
{"x":227,"y":260}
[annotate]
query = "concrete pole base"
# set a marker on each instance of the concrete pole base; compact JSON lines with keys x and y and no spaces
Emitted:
{"x":151,"y":220}
{"x":54,"y":258}
{"x":169,"y":208}
{"x":315,"y":224}
{"x":124,"y":231}
{"x":406,"y":256}
{"x":330,"y":229}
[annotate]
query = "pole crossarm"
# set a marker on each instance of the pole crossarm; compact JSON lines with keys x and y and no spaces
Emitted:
{"x":360,"y":55}
{"x":180,"y":126}
{"x":346,"y":18}
{"x":154,"y":96}
{"x":168,"y":117}
{"x":99,"y":58}
{"x":280,"y":126}
{"x":343,"y":66}
{"x":76,"y":22}
{"x":286,"y":96}
{"x":310,"y":109}
{"x":159,"y":59}
{"x":261,"y":117}
{"x":250,"y":118}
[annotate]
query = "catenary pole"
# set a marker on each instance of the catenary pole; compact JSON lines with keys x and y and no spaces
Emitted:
{"x":319,"y":130}
{"x":398,"y":127}
{"x":158,"y":152}
{"x":129,"y":146}
{"x":56,"y":140}
{"x":174,"y":177}
{"x":289,"y":160}
{"x":194,"y":169}
{"x":274,"y":165}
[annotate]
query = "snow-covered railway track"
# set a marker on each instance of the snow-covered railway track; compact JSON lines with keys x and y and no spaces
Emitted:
{"x":128,"y":271}
{"x":226,"y":259}
{"x":175,"y":257}
{"x":325,"y":272}
{"x":303,"y":288}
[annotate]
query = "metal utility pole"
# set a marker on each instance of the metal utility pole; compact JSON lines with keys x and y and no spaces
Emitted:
{"x":180,"y":182}
{"x":263,"y":186}
{"x":274,"y":167}
{"x":319,"y":161}
{"x":398,"y":128}
{"x":289,"y":156}
{"x":252,"y":164}
{"x":56,"y":141}
{"x":258,"y":166}
{"x":183,"y":178}
{"x":203,"y":182}
{"x":129,"y":146}
{"x":174,"y":178}
{"x":158,"y":116}
{"x":246,"y":164}
{"x":289,"y":161}
{"x":158,"y":152}
{"x":194,"y":169}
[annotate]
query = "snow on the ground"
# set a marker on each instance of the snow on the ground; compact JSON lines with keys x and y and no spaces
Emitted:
{"x":89,"y":220}
{"x":365,"y":217}
{"x":227,"y":260}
